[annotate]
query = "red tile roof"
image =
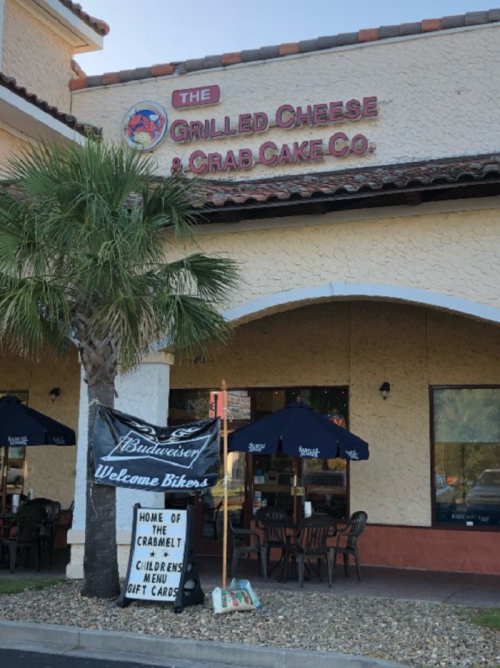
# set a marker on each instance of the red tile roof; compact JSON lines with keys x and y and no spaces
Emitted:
{"x":280,"y":51}
{"x":67,"y":119}
{"x":215,"y":194}
{"x":101,"y":27}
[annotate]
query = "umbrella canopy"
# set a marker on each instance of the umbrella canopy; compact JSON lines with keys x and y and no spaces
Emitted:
{"x":298,"y":431}
{"x":22,"y":426}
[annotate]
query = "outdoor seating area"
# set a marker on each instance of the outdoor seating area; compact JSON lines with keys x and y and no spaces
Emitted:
{"x":31,"y":531}
{"x":298,"y":548}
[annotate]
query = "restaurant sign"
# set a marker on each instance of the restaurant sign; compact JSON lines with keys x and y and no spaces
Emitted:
{"x":131,"y":453}
{"x":162,"y":563}
{"x":269,"y":153}
{"x":339,"y":144}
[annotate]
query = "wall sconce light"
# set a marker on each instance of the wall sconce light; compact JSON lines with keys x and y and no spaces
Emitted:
{"x":199,"y":360}
{"x":384,"y":390}
{"x":54,"y":393}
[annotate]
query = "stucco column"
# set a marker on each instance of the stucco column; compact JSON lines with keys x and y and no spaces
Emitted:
{"x":144,"y":394}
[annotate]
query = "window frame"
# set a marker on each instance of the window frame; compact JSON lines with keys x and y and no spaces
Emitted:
{"x":442,"y":526}
{"x":253,"y":409}
{"x":16,"y":393}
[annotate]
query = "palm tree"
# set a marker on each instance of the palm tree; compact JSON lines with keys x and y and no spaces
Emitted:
{"x":85,"y":236}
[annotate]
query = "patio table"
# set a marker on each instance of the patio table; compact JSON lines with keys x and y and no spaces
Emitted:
{"x":5,"y":521}
{"x":292,"y":534}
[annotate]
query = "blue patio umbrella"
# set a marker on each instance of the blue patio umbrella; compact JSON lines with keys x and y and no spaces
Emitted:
{"x":298,"y":431}
{"x":21,"y":426}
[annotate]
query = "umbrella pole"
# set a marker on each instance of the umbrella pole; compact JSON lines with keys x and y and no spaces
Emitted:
{"x":295,"y":483}
{"x":4,"y":478}
{"x":224,"y":438}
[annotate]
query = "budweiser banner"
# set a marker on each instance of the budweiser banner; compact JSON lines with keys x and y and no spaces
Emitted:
{"x":129,"y":452}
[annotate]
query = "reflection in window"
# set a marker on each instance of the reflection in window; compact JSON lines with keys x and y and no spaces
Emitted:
{"x":467,"y":456}
{"x":16,"y":455}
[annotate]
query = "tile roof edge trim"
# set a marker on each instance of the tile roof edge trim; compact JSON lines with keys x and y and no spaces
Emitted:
{"x":334,"y":49}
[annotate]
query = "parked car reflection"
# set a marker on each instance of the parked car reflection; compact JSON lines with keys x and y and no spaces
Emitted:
{"x":485,"y":492}
{"x":444,"y":493}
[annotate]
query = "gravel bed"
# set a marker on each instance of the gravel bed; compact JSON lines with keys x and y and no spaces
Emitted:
{"x":425,"y":635}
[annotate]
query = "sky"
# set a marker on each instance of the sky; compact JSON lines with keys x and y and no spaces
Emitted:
{"x":162,"y":31}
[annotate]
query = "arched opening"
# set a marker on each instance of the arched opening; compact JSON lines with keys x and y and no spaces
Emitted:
{"x":358,"y":344}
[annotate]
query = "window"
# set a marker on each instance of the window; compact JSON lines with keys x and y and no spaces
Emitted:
{"x":16,"y":455}
{"x":466,"y":447}
{"x":325,"y":482}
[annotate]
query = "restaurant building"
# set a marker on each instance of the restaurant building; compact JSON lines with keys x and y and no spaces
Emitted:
{"x":356,"y":181}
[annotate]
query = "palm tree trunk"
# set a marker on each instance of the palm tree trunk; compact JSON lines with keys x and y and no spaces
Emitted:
{"x":100,"y":562}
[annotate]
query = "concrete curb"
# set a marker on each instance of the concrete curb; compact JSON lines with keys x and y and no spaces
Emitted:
{"x":121,"y":645}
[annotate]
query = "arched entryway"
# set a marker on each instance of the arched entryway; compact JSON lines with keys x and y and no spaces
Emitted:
{"x":358,"y":343}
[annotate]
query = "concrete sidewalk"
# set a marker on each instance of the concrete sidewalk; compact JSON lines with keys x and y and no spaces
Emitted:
{"x":172,"y":652}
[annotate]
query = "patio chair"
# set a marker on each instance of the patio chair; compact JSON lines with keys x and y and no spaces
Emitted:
{"x":49,"y":526}
{"x":351,"y":534}
{"x":24,"y":534}
{"x":245,"y":542}
{"x":211,"y":517}
{"x":311,"y":543}
{"x":273,"y":521}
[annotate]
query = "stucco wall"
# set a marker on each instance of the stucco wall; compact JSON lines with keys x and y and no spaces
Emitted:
{"x":9,"y":145}
{"x":454,"y":254}
{"x":36,"y":56}
{"x":428,"y":90}
{"x":362,"y":344}
{"x":50,"y":470}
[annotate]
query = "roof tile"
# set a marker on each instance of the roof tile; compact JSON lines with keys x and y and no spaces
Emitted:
{"x":194,"y":64}
{"x":430,"y":25}
{"x":289,"y":49}
{"x":231,"y":58}
{"x":95,"y":80}
{"x":371,"y":35}
{"x":249,"y":55}
{"x":101,"y":27}
{"x":77,"y":84}
{"x":162,"y":70}
{"x":110,"y":78}
{"x":267,"y":52}
{"x":211,"y":62}
{"x":219,"y":193}
{"x":410,"y":29}
{"x":476,"y":18}
{"x":388,"y":32}
{"x":308,"y":45}
{"x":328,"y":42}
{"x":305,"y":46}
{"x":348,"y":38}
{"x":67,"y":119}
{"x":451,"y":22}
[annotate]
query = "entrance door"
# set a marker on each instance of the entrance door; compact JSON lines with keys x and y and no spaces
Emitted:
{"x":254,"y":481}
{"x":187,"y":406}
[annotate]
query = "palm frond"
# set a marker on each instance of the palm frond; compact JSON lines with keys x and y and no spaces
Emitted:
{"x":87,"y":237}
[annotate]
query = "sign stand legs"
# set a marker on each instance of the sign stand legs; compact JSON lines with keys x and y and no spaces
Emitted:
{"x":190,"y":591}
{"x":224,"y":436}
{"x":154,"y":580}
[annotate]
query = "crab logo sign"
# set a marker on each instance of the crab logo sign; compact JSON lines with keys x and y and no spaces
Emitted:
{"x":131,"y":453}
{"x":145,"y":125}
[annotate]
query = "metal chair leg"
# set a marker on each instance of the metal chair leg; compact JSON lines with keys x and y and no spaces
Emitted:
{"x":356,"y":561}
{"x":328,"y":567}
{"x":301,"y":570}
{"x":346,"y":565}
{"x":12,"y":557}
{"x":333,"y":552}
{"x":264,"y":557}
